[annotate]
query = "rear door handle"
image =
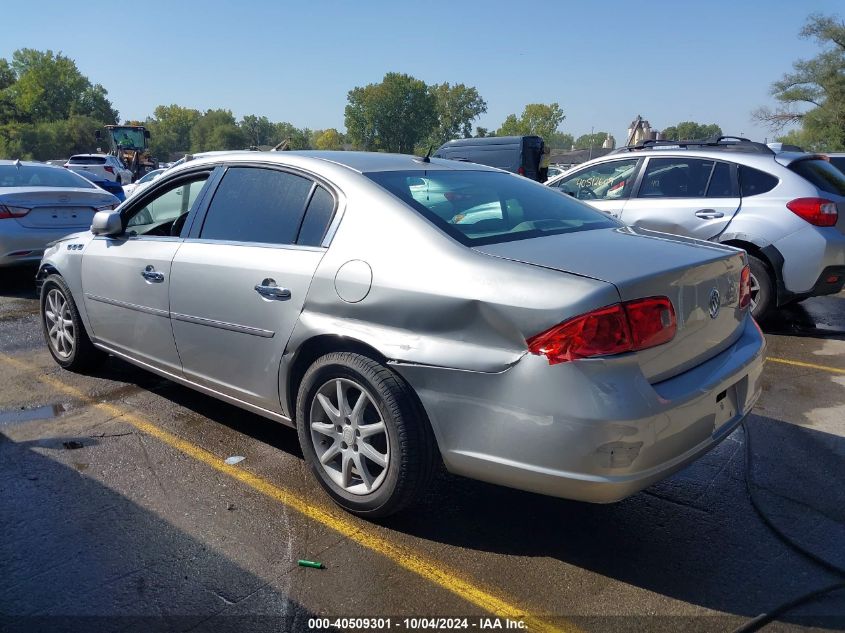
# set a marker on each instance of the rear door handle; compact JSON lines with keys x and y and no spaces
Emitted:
{"x":709,"y":214}
{"x":149,"y":273}
{"x":268,"y":289}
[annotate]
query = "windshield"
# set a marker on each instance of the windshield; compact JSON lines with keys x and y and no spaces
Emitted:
{"x":40,"y":176}
{"x":128,"y":137}
{"x":479,"y":207}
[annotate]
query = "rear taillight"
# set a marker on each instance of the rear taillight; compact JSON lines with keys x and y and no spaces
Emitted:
{"x":816,"y":211}
{"x":109,"y":169}
{"x":625,"y":327}
{"x":7,"y":211}
{"x":745,"y":288}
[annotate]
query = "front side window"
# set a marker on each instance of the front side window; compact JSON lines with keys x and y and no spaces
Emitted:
{"x":257,"y":205}
{"x":165,"y":213}
{"x":481,"y":207}
{"x":607,"y":181}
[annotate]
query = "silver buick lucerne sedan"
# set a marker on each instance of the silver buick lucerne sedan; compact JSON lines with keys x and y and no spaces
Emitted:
{"x":401,"y":312}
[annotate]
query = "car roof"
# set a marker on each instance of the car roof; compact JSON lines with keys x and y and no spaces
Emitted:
{"x":90,"y":156}
{"x":361,"y":162}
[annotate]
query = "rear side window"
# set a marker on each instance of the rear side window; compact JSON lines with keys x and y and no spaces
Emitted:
{"x":676,"y":178}
{"x":257,"y":205}
{"x":317,"y":218}
{"x":822,"y":174}
{"x":721,"y":184}
{"x":87,"y":160}
{"x":753,"y":182}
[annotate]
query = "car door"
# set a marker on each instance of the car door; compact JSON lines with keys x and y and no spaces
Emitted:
{"x":239,"y":282}
{"x":605,"y":186}
{"x":695,"y":197}
{"x":126,"y":278}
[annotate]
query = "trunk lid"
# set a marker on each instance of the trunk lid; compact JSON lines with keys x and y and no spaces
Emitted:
{"x":59,"y":208}
{"x":643,"y":264}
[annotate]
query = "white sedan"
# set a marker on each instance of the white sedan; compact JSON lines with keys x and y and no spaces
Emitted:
{"x":105,"y":166}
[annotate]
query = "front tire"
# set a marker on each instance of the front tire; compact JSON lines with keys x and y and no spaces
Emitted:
{"x":64,"y":332}
{"x":762,"y":288}
{"x":363,"y":435}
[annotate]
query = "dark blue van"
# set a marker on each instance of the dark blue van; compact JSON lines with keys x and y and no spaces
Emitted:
{"x":523,"y":155}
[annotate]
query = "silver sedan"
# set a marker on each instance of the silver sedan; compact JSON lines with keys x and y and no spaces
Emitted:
{"x":40,"y":203}
{"x":404,"y":313}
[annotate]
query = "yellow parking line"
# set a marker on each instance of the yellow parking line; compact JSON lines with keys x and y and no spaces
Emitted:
{"x":798,"y":363}
{"x":403,"y":556}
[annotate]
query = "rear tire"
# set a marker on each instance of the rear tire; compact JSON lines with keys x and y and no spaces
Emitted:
{"x":378,"y":421}
{"x":64,"y":332}
{"x":762,"y":288}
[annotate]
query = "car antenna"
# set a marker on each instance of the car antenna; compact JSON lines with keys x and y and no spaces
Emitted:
{"x":427,"y":157}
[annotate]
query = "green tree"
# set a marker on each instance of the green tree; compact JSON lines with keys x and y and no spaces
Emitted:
{"x":170,"y":129}
{"x":481,"y":132}
{"x":7,"y":75}
{"x":537,"y":118}
{"x":258,"y":130}
{"x":49,"y":87}
{"x":330,"y":139}
{"x":559,"y":140}
{"x":297,"y":138}
{"x":457,"y":107}
{"x":689,"y":130}
{"x":586,"y":141}
{"x":394,"y":115}
{"x":216,"y":130}
{"x":813,"y":94}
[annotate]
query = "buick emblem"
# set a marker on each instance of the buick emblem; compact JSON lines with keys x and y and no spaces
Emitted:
{"x":714,"y":303}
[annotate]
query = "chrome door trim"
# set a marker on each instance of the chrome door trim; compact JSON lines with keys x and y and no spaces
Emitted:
{"x":223,"y":325}
{"x":128,"y":306}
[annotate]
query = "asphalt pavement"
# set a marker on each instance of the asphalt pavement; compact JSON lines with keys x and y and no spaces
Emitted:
{"x":118,"y":512}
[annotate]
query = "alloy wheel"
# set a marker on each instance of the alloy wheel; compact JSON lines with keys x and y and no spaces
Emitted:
{"x":755,"y":291}
{"x":349,"y":436}
{"x":60,"y":329}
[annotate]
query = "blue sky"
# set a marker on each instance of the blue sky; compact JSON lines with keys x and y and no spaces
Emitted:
{"x":604,"y":62}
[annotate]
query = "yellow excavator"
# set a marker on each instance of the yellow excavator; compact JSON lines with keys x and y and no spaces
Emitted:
{"x":130,"y":143}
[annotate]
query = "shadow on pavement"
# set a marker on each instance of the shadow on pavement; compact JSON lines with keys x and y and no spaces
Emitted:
{"x":77,"y":556}
{"x":18,"y":282}
{"x":693,"y":537}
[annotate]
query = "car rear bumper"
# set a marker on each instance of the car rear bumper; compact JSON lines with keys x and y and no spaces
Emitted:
{"x":23,"y":245}
{"x":804,"y":260}
{"x":592,"y":430}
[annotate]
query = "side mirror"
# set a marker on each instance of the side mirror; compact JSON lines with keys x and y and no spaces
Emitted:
{"x":106,"y":223}
{"x":146,"y":134}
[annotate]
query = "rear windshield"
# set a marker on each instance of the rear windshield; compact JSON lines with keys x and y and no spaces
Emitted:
{"x":40,"y":176}
{"x":838,"y":162}
{"x":822,"y":174}
{"x":478,"y":207}
{"x":87,"y":160}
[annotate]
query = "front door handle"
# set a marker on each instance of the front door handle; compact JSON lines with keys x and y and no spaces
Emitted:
{"x":268,"y":289}
{"x":149,"y":273}
{"x":709,"y":214}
